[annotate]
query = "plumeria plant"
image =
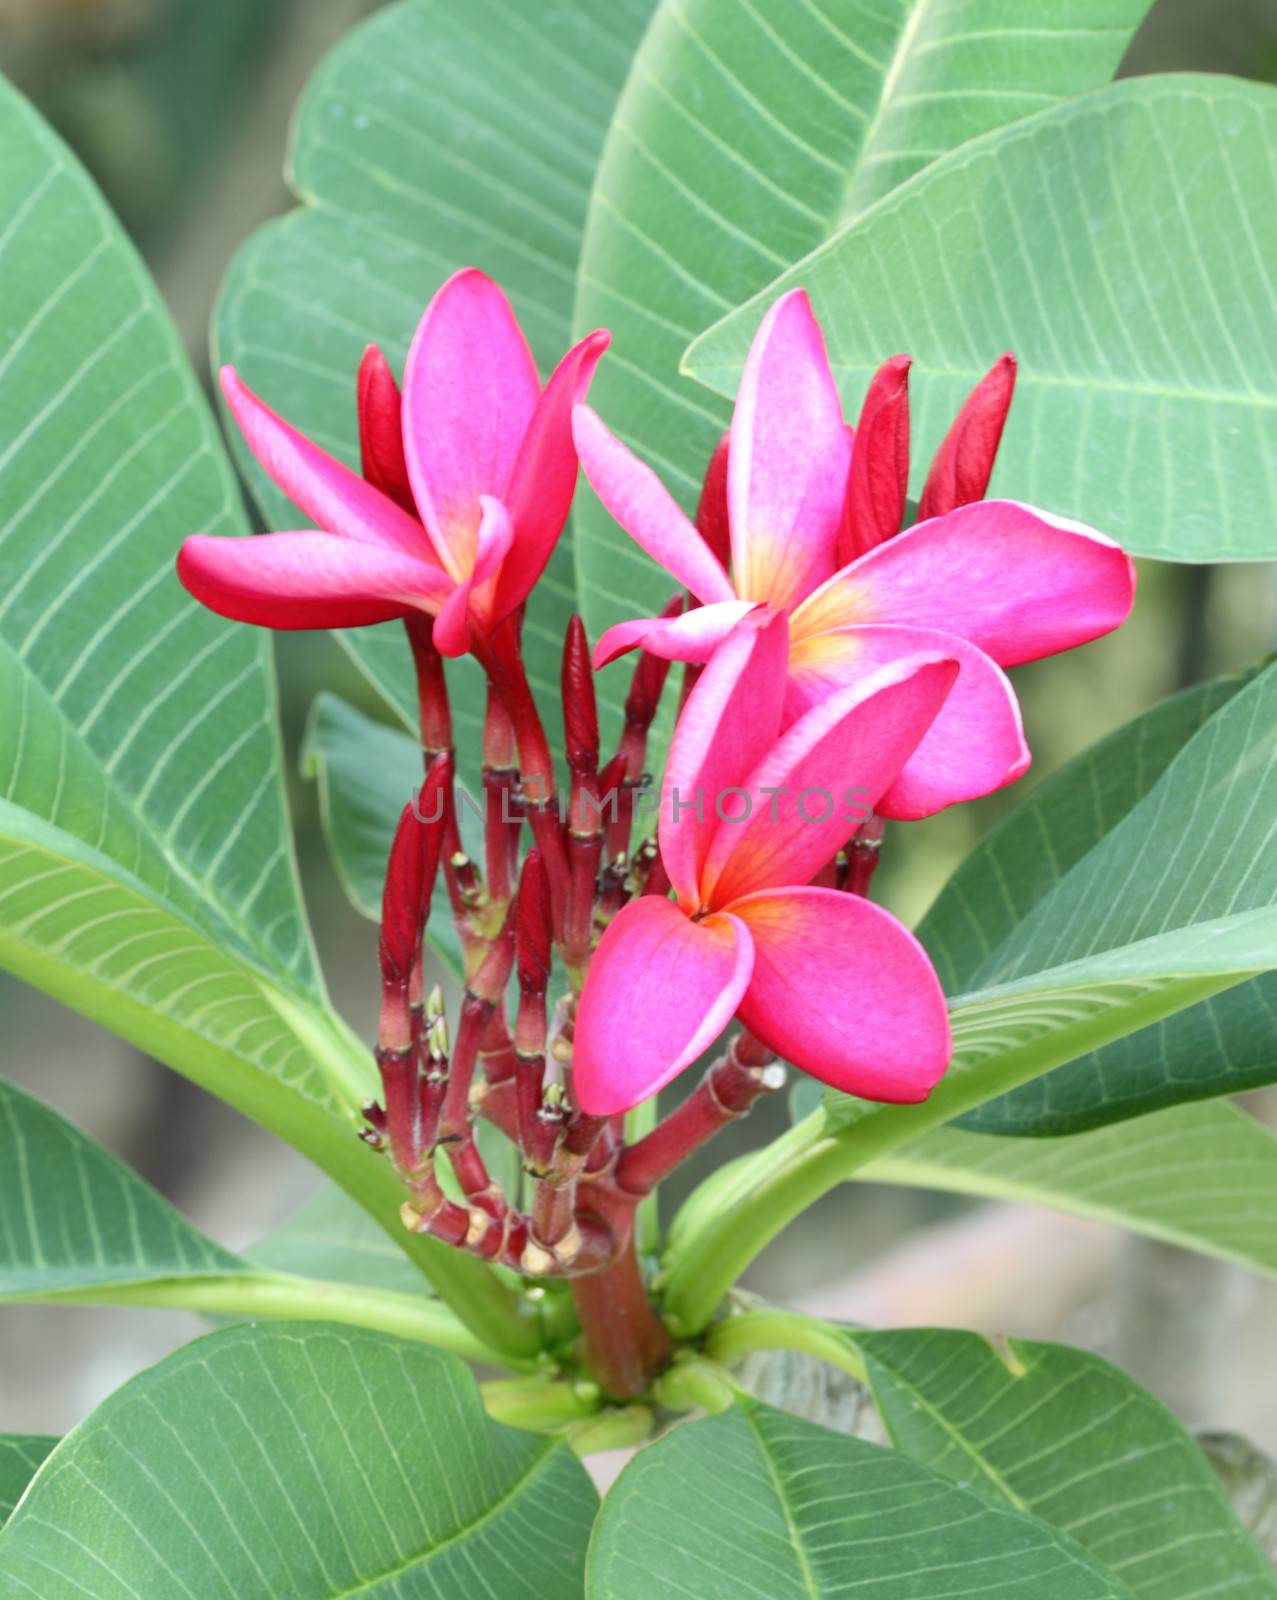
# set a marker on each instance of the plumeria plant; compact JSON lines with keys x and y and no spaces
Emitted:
{"x":669,"y":658}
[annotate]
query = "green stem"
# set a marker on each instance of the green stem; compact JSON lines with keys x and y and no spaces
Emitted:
{"x":695,"y":1384}
{"x":245,"y":1294}
{"x":739,"y":1336}
{"x":614,"y":1429}
{"x":539,"y":1404}
{"x":760,"y":1196}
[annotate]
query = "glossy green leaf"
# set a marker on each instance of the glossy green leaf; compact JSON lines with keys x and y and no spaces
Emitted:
{"x":757,"y":1502}
{"x":1219,"y":1047}
{"x":439,"y":134}
{"x":78,"y":1225}
{"x":72,"y":1217}
{"x":331,"y":1238}
{"x":130,"y":717}
{"x":1064,"y":1435}
{"x":746,"y":134}
{"x":139,"y":967}
{"x":1201,"y":1176}
{"x":1122,"y":245}
{"x":305,"y":1461}
{"x":20,"y":1455}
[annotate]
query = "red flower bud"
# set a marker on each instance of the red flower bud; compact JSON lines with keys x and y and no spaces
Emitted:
{"x":380,"y":431}
{"x":533,"y":926}
{"x":402,"y":899}
{"x":963,"y":464}
{"x":878,"y":483}
{"x":580,"y":710}
{"x":711,"y":512}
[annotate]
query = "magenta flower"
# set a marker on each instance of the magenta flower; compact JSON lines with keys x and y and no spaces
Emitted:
{"x":463,"y":495}
{"x":748,"y":817}
{"x":990,"y":584}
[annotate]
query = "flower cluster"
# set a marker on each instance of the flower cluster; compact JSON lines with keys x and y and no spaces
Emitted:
{"x":829,"y":654}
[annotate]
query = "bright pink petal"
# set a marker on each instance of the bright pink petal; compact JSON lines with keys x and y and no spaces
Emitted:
{"x":789,"y":458}
{"x":469,"y":601}
{"x":846,"y":993}
{"x":731,"y":718}
{"x":544,"y":477}
{"x":694,"y":636}
{"x":660,"y":990}
{"x":470,"y":389}
{"x":818,"y":784}
{"x":381,"y":430}
{"x":636,"y":498}
{"x":326,"y":490}
{"x":975,"y":745}
{"x":1012,"y":580}
{"x":307,"y":580}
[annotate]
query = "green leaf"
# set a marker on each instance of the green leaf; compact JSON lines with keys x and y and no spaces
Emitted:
{"x":78,"y":1225}
{"x":75,"y":1218}
{"x":331,"y":1238}
{"x":1201,"y":1176}
{"x":758,"y":1502}
{"x":1064,"y":1435}
{"x":746,"y":134}
{"x":304,"y":1461}
{"x":20,"y":1455}
{"x":1221,"y":1046}
{"x":130,"y":716}
{"x":137,"y":966}
{"x":439,"y":134}
{"x":1122,"y":245}
{"x":366,"y":774}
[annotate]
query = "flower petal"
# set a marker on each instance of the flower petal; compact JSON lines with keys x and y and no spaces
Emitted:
{"x":326,"y":489}
{"x":544,"y":477}
{"x":381,"y":430}
{"x":1016,"y":582}
{"x":788,"y":461}
{"x":307,"y":580}
{"x":636,"y":498}
{"x":845,"y":992}
{"x":470,"y":389}
{"x":975,"y":745}
{"x":694,"y":636}
{"x":730,"y":720}
{"x":814,"y":788}
{"x":468,"y":602}
{"x":660,"y":990}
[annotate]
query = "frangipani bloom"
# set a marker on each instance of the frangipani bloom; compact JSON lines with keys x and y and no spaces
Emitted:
{"x":991,"y":584}
{"x":748,"y":817}
{"x":463,"y":495}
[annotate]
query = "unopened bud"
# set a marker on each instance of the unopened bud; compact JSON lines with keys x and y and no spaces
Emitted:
{"x":877,"y":485}
{"x":711,"y":512}
{"x":580,"y":711}
{"x":963,"y":464}
{"x":534,"y":931}
{"x":381,"y":430}
{"x":434,"y":1005}
{"x":403,"y":899}
{"x":437,"y":1040}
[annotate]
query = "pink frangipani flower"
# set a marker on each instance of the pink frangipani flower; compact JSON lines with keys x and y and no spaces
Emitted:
{"x":749,"y":815}
{"x":992,"y":583}
{"x":466,"y":485}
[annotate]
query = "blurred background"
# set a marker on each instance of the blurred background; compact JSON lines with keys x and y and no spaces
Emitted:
{"x":180,"y":109}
